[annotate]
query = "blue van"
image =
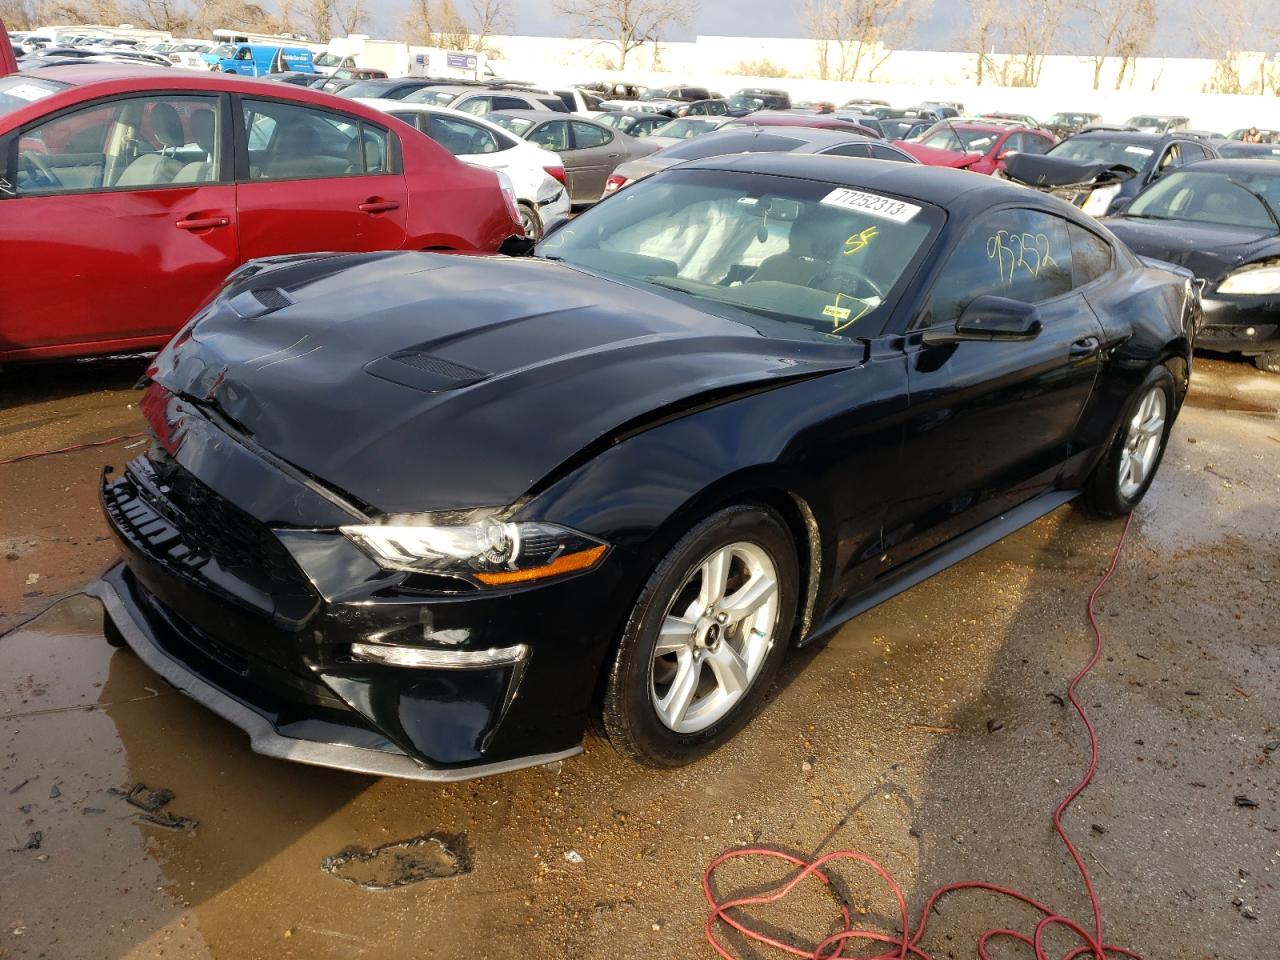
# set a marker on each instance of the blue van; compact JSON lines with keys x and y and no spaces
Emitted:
{"x":258,"y":60}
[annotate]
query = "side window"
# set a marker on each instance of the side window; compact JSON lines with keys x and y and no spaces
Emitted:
{"x":589,"y":135}
{"x":848,"y":150}
{"x":131,"y":144}
{"x":1091,"y":256}
{"x":511,"y":103}
{"x":1172,"y":158}
{"x":462,"y":138}
{"x":553,"y":136}
{"x":886,"y":153}
{"x":1012,"y":145}
{"x":1015,"y":253}
{"x":476,"y":106}
{"x":1034,"y":144}
{"x":413,"y":119}
{"x":244,"y":53}
{"x":288,"y":142}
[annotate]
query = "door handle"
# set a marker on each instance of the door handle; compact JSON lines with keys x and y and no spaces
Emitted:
{"x":376,"y":205}
{"x":202,"y":223}
{"x":1085,"y":347}
{"x":615,"y":156}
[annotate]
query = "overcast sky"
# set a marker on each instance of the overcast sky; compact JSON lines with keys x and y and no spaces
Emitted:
{"x":775,"y":18}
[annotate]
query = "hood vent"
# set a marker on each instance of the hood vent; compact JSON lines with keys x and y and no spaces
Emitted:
{"x":424,"y":371}
{"x":258,"y":302}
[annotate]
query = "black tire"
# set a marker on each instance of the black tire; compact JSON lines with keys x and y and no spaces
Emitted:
{"x":1268,"y":362}
{"x":1102,"y":496}
{"x":630,"y":719}
{"x":532,"y":221}
{"x":111,"y":633}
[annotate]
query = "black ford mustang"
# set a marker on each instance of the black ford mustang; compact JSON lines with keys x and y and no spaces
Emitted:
{"x":423,"y":515}
{"x":1219,"y":219}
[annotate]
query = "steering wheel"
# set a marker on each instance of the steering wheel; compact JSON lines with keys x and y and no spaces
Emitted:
{"x":42,"y":168}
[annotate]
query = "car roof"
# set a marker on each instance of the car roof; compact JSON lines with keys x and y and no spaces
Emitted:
{"x":127,"y":78}
{"x":940,"y":186}
{"x":1241,"y":165}
{"x":1126,"y":136}
{"x":537,"y":115}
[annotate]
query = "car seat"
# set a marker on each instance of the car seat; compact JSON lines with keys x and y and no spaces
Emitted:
{"x":204,"y":131}
{"x":155,"y":168}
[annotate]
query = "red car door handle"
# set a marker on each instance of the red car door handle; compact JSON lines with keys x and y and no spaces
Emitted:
{"x":202,"y":223}
{"x":374,"y":205}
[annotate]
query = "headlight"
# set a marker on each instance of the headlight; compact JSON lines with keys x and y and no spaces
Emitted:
{"x":1099,"y":200}
{"x":490,"y":552}
{"x":1252,"y":282}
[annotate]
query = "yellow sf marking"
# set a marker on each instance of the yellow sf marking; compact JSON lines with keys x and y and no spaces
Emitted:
{"x":859,"y":241}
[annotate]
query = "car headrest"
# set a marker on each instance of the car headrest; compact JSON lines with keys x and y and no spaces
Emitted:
{"x":203,"y":128}
{"x":167,"y":125}
{"x":818,"y":234}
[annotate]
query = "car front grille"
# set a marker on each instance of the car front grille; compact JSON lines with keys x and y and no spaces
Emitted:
{"x":184,"y":521}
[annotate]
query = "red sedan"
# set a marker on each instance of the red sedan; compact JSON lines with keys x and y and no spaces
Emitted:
{"x":980,"y":147}
{"x":127,"y":194}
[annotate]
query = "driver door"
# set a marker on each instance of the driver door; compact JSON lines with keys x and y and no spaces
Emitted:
{"x":992,"y":424}
{"x":127,"y":207}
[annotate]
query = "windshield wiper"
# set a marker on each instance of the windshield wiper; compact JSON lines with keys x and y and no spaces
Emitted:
{"x":1261,"y":199}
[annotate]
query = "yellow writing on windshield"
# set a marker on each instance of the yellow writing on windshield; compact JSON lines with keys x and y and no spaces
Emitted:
{"x":859,"y":241}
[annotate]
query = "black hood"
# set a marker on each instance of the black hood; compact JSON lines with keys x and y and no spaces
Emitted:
{"x":419,"y":382}
{"x":1208,"y":250}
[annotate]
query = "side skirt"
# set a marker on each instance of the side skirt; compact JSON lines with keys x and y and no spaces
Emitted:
{"x":939,"y":559}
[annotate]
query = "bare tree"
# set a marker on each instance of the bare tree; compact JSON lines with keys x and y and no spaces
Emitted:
{"x":860,"y":31}
{"x":983,"y":31}
{"x":488,"y":17}
{"x":626,"y":24}
{"x":1236,"y":34}
{"x":1121,"y":29}
{"x":172,"y":15}
{"x":437,"y":23}
{"x":325,"y":19}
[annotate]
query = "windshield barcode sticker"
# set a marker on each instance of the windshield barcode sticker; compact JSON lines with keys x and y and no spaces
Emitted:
{"x":886,"y":208}
{"x":27,"y":91}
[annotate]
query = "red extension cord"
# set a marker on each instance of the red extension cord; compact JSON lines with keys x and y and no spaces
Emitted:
{"x":908,"y":943}
{"x":71,"y":449}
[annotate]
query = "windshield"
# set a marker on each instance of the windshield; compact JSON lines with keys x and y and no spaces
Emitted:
{"x":1235,"y":199}
{"x":810,"y":260}
{"x":433,"y":96}
{"x":19,"y":91}
{"x":1113,"y":152}
{"x":223,"y":51}
{"x":960,"y":140}
{"x":366,"y":89}
{"x":328,"y":60}
{"x":897,"y":129}
{"x":517,"y":125}
{"x":685,"y":128}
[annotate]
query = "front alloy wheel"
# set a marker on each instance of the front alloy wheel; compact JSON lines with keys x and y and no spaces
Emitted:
{"x":1142,"y":443}
{"x":715,"y":637}
{"x":705,"y":638}
{"x":1124,"y":474}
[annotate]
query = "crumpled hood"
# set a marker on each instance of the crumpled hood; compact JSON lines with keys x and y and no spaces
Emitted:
{"x":1210,"y":251}
{"x":419,"y":382}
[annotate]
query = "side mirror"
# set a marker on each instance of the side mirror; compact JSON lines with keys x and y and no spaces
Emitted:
{"x":989,"y":318}
{"x":1119,"y":206}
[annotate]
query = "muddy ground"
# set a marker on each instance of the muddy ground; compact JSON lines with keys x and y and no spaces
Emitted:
{"x":927,"y":734}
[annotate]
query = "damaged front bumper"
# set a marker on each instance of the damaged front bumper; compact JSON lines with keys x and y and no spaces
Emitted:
{"x":292,"y":633}
{"x":1244,"y":325}
{"x":274,"y":729}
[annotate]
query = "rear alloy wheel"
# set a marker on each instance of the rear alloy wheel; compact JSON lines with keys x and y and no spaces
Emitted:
{"x":1124,"y":474}
{"x":705,"y":639}
{"x":531,"y":221}
{"x":1268,"y":362}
